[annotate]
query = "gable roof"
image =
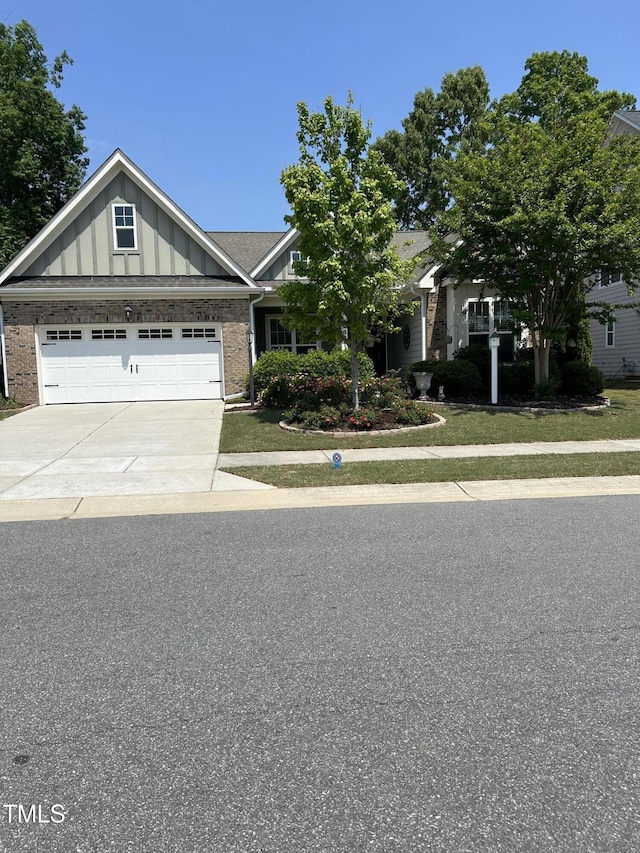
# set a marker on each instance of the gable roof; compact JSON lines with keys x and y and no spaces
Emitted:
{"x":625,"y":121}
{"x":118,"y":162}
{"x":287,"y":239}
{"x":246,"y":247}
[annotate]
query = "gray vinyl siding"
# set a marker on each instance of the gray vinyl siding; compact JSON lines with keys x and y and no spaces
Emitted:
{"x":397,"y":356}
{"x":86,"y":246}
{"x":627,"y":333}
{"x":280,"y":270}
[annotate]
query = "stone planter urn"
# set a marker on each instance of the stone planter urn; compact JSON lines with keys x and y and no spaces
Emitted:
{"x":423,"y":383}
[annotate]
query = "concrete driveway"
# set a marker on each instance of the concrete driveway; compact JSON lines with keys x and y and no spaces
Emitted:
{"x":99,"y":449}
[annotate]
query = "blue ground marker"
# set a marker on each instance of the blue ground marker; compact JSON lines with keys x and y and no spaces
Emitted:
{"x":337,"y":460}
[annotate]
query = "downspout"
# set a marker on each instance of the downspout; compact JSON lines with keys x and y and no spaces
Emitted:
{"x":423,"y":320}
{"x":252,"y":355}
{"x":3,"y":355}
{"x":252,"y":325}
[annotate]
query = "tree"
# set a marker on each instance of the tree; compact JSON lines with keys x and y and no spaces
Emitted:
{"x":41,"y":144}
{"x":340,"y":194}
{"x":549,"y":203}
{"x":439,"y":126}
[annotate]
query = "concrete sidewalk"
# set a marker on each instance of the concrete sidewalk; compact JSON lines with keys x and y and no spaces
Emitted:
{"x":376,"y":454}
{"x":99,"y":460}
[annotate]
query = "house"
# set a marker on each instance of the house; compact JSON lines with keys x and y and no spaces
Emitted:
{"x":616,"y":346}
{"x":123,"y":297}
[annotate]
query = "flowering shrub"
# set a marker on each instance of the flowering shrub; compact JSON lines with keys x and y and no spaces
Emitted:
{"x":316,"y":364}
{"x":362,"y":419}
{"x":409,"y":413}
{"x":326,"y":418}
{"x":306,"y":393}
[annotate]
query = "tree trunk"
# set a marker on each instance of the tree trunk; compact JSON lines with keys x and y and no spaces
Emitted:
{"x":541,"y":353}
{"x":355,"y":398}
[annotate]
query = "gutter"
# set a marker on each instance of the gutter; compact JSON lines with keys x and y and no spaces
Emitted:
{"x":33,"y":294}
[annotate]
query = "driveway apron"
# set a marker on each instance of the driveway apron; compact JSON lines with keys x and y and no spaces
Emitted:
{"x":106,"y":449}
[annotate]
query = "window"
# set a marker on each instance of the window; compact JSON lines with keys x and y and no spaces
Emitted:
{"x":479,"y":318}
{"x":607,"y":279}
{"x":64,"y":334}
{"x":502,"y":316}
{"x":108,"y":334}
{"x":486,"y":316}
{"x":610,"y":334}
{"x":124,"y":226}
{"x":279,"y":338}
{"x":294,"y":256}
{"x":154,"y":334}
{"x":199,"y":332}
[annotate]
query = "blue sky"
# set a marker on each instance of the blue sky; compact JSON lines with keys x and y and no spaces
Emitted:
{"x":202,"y":95}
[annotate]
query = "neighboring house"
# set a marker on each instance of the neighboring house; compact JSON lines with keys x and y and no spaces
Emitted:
{"x":616,"y":346}
{"x":123,"y":297}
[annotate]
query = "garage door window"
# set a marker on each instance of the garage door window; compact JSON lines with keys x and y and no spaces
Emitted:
{"x":108,"y":334}
{"x":154,"y":334}
{"x":199,"y":332}
{"x":64,"y":334}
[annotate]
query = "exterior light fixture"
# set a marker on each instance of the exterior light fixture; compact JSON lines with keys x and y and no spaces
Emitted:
{"x":127,"y":312}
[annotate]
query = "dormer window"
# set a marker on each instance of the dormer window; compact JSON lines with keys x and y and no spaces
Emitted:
{"x":124,"y":226}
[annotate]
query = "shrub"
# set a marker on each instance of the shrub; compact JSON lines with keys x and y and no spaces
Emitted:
{"x":381,"y":391}
{"x":461,"y":379}
{"x":322,"y":365}
{"x":481,"y":357}
{"x":316,"y":364}
{"x":362,"y":419}
{"x":409,"y":413}
{"x":306,"y":393}
{"x":516,"y":380}
{"x":326,"y":418}
{"x":272,"y":364}
{"x":581,"y":379}
{"x":546,"y":390}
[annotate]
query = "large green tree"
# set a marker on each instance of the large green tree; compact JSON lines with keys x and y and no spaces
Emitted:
{"x":440,"y":125}
{"x":549,"y":202}
{"x":41,"y":143}
{"x":340,"y":193}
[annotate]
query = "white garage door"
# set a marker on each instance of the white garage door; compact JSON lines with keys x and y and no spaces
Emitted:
{"x":109,"y":364}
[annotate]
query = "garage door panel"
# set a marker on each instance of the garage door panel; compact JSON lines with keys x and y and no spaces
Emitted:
{"x":100,"y":369}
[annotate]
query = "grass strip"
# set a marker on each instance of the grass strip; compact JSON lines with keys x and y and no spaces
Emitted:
{"x":445,"y":470}
{"x":242,"y":432}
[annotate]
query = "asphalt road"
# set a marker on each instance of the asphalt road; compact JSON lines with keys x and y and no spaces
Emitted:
{"x":443,"y":677}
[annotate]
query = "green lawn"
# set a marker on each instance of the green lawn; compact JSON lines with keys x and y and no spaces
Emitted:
{"x":243,"y":432}
{"x":445,"y":470}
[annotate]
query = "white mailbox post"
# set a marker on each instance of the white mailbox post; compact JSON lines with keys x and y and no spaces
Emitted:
{"x":494,"y":344}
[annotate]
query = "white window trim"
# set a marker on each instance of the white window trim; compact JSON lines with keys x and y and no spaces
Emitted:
{"x":117,"y":228}
{"x":294,"y":337}
{"x":610,"y":330}
{"x":491,"y":300}
{"x":609,"y":283}
{"x":294,"y":255}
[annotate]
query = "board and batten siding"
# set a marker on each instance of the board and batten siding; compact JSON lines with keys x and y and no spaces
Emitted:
{"x":626,"y":334}
{"x":86,"y":246}
{"x":280,"y":270}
